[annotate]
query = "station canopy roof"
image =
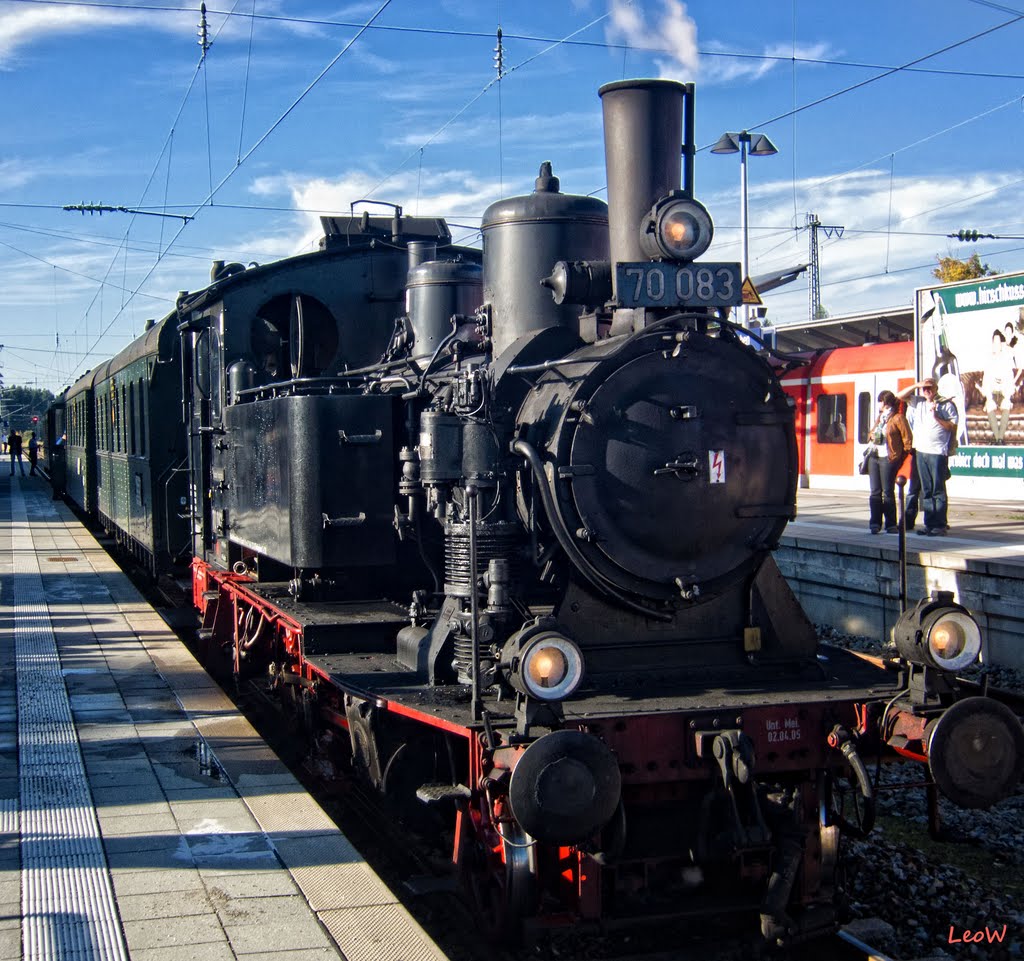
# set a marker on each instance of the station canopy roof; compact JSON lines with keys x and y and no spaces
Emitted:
{"x":849,"y":330}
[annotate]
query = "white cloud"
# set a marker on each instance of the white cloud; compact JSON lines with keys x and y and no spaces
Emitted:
{"x":524,"y":130}
{"x":21,"y":26}
{"x":881,"y":257}
{"x":674,"y":33}
{"x":15,"y":173}
{"x":726,"y":67}
{"x":454,"y":194}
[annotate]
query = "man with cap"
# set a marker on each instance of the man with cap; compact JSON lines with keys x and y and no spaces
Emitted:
{"x":933,"y":420}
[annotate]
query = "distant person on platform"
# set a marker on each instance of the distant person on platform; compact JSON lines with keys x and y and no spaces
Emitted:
{"x":14,"y":448}
{"x":835,"y":433}
{"x":891,"y":442}
{"x":933,"y":420}
{"x":33,"y":453}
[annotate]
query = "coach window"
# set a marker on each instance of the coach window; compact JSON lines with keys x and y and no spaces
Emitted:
{"x":865,"y":416}
{"x":132,"y":420}
{"x":143,"y":394}
{"x":215,"y":368}
{"x":125,"y":423}
{"x":831,"y":416}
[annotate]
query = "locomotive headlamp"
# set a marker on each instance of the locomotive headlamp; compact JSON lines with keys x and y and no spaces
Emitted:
{"x":677,"y":228}
{"x":938,"y":633}
{"x":543,"y":664}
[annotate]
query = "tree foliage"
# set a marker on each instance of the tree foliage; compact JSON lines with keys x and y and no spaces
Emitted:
{"x":951,"y":269}
{"x":21,"y":404}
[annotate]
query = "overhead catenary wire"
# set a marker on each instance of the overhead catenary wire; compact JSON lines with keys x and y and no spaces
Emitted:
{"x":212,"y":203}
{"x":534,"y":38}
{"x":245,"y":84}
{"x":887,"y":72}
{"x":477,"y":96}
{"x":259,"y":142}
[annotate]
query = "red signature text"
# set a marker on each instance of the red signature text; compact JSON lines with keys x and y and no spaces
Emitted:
{"x":975,"y":937}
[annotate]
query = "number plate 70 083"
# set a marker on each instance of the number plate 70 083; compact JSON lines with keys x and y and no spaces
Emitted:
{"x":678,"y":285}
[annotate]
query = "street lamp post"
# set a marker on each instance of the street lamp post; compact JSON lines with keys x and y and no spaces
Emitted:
{"x":757,"y":145}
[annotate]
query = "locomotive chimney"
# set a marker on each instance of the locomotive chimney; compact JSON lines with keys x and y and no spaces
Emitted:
{"x":420,"y":251}
{"x":643,"y":126}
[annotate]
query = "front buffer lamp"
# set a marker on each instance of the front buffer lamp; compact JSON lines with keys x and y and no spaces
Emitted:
{"x":938,"y":633}
{"x":543,"y":663}
{"x":677,"y":228}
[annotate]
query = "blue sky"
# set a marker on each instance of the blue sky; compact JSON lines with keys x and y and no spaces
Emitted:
{"x":298,"y":111}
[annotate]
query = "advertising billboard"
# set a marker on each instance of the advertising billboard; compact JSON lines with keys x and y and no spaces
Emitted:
{"x":970,"y":338}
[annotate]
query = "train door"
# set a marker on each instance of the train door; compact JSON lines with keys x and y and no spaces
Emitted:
{"x":867,"y":388}
{"x":201,"y":366}
{"x":843,"y":386}
{"x":832,"y":440}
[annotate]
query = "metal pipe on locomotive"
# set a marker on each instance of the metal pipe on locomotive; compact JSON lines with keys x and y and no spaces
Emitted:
{"x":501,"y":533}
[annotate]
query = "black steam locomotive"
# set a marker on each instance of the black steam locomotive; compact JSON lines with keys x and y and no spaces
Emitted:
{"x":499,"y":528}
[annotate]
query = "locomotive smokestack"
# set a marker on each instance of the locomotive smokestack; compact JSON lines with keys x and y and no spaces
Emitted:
{"x":643,"y":124}
{"x":420,"y":251}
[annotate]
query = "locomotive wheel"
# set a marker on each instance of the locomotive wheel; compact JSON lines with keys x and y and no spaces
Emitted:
{"x":411,"y":765}
{"x":502,"y":885}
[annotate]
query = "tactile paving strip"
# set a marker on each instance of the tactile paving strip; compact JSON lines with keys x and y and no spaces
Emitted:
{"x":68,"y":911}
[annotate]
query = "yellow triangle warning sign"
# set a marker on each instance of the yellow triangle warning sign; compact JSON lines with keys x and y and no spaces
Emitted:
{"x":750,"y":294}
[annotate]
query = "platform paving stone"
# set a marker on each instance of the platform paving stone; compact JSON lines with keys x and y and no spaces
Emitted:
{"x":143,"y":907}
{"x":304,"y":954}
{"x":129,"y":793}
{"x":115,"y":808}
{"x":255,"y":884}
{"x":129,"y":882}
{"x":10,"y":944}
{"x":221,"y":951}
{"x":10,"y":914}
{"x":137,"y":825}
{"x":158,"y":933}
{"x":190,"y":801}
{"x":271,"y":924}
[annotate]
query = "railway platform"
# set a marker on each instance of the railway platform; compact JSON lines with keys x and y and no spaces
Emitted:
{"x":848,"y":578}
{"x":141,"y":816}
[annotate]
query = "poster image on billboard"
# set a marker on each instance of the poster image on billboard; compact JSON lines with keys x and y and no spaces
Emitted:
{"x":971,"y":340}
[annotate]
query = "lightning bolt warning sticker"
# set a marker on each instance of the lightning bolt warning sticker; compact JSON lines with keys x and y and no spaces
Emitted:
{"x":716,"y":466}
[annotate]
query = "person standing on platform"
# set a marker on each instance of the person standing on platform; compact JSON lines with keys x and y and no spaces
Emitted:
{"x":33,"y":453}
{"x":891,"y":442}
{"x":14,"y":447}
{"x":933,"y":421}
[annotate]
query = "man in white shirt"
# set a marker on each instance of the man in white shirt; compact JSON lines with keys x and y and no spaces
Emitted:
{"x":933,"y":420}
